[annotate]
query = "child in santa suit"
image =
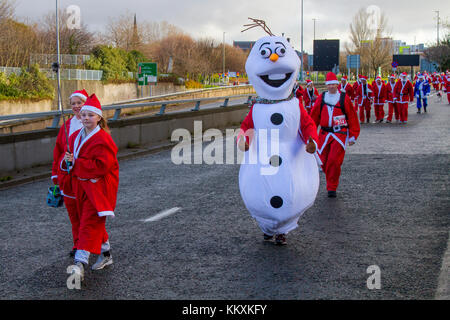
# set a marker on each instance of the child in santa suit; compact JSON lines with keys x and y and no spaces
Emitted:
{"x":391,"y":99}
{"x":340,"y":127}
{"x":365,"y":94}
{"x":63,"y":180}
{"x":404,"y":93}
{"x":344,"y":86}
{"x":379,"y":95}
{"x":310,"y":95}
{"x":95,"y":180}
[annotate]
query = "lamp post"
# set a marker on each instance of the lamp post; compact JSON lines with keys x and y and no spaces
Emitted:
{"x":314,"y":19}
{"x":223,"y":59}
{"x":437,"y":26}
{"x":301,"y":55}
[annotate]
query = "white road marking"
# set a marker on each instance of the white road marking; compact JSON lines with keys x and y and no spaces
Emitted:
{"x":162,"y":214}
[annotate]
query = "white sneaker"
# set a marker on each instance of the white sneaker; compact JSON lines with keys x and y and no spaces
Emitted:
{"x":103,"y":261}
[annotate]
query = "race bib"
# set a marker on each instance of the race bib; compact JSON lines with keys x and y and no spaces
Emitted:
{"x":339,"y":121}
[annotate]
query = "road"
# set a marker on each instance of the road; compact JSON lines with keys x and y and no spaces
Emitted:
{"x":392,"y":211}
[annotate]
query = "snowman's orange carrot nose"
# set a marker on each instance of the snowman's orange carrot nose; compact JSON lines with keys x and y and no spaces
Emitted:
{"x":273,"y":57}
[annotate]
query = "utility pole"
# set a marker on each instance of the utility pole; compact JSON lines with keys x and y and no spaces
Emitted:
{"x":314,"y":19}
{"x":223,"y":59}
{"x":301,"y":59}
{"x":437,"y":26}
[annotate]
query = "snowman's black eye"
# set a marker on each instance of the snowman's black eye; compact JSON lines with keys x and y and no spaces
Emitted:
{"x":280,"y":51}
{"x":266,"y":52}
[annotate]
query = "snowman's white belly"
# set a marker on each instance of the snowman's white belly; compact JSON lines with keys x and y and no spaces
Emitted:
{"x":275,"y":196}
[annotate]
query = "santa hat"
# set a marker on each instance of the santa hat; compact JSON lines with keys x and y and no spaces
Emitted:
{"x":92,"y":104}
{"x":82,"y":94}
{"x":392,"y":76}
{"x":331,"y":78}
{"x":344,"y":78}
{"x":378,"y":78}
{"x":308,"y":82}
{"x":404,"y":74}
{"x":363,"y":77}
{"x":420,"y":75}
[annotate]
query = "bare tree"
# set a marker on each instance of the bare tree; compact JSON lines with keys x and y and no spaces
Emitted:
{"x":72,"y":41}
{"x":371,"y":42}
{"x":6,"y":9}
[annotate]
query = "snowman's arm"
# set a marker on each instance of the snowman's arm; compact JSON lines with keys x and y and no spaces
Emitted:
{"x":307,"y":127}
{"x":245,"y":126}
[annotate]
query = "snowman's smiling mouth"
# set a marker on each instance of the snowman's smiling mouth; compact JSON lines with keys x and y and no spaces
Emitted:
{"x":276,"y":80}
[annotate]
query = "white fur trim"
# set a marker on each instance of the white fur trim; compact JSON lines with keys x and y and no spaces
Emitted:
{"x":352,"y":139}
{"x":106,"y":213}
{"x":79,"y":95}
{"x":92,"y":109}
{"x":332,"y":82}
{"x":65,"y":195}
{"x":53,"y":177}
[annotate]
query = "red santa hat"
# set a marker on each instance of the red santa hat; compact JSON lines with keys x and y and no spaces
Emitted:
{"x":82,"y":94}
{"x":378,"y":78}
{"x":404,"y":74}
{"x":92,"y":104}
{"x":392,"y":76}
{"x":331,"y":78}
{"x":344,"y":78}
{"x":363,"y":77}
{"x":308,"y":82}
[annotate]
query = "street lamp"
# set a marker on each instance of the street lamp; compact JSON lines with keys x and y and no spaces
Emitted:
{"x":301,"y":59}
{"x":223,"y":59}
{"x":314,"y":19}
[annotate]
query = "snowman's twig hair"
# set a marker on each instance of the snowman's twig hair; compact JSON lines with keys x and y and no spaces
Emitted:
{"x":258,"y":23}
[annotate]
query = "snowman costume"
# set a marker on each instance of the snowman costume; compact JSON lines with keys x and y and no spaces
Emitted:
{"x":283,"y":182}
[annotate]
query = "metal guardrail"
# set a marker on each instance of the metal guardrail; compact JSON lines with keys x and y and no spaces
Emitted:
{"x":118,"y":108}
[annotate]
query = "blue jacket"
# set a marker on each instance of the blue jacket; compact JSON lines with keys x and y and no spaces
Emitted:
{"x":422,"y":89}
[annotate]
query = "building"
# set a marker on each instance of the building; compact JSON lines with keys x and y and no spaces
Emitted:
{"x":244,"y":45}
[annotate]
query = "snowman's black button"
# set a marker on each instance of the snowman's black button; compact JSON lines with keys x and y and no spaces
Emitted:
{"x":276,"y":118}
{"x":275,"y":161}
{"x":276,"y":202}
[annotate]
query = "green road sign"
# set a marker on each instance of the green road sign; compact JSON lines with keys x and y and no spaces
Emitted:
{"x":147,"y":73}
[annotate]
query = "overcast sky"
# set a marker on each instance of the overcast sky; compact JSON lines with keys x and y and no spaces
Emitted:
{"x":409,"y":21}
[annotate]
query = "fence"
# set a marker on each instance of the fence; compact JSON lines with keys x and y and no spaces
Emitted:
{"x":69,"y":74}
{"x":66,"y":59}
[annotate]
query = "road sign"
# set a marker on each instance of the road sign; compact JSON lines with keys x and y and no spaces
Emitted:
{"x":353,"y":61}
{"x":147,"y":73}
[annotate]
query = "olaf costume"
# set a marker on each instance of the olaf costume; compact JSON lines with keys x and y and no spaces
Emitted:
{"x":283,"y":182}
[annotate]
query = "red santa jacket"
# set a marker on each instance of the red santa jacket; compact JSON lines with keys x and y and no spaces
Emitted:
{"x":299,"y":92}
{"x":308,"y":98}
{"x":446,"y":84}
{"x":403,"y":91}
{"x":390,"y":92}
{"x":307,"y":127}
{"x":71,"y":125}
{"x":355,"y":90}
{"x":95,"y":169}
{"x":364,"y":93}
{"x":330,"y":117}
{"x":380,"y":94}
{"x":348,"y":89}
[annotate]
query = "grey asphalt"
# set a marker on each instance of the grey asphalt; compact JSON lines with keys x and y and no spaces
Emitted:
{"x":392,"y":211}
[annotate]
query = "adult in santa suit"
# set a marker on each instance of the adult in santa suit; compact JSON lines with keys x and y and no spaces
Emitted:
{"x":422,"y":91}
{"x":379,"y":97}
{"x":76,"y":100}
{"x":339,"y":127}
{"x":364,"y":94}
{"x":299,"y":91}
{"x":436,"y":82}
{"x":355,"y":92}
{"x":344,"y":86}
{"x":404,"y":93}
{"x":310,"y":95}
{"x":95,"y":181}
{"x":391,"y":99}
{"x":446,"y":85}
